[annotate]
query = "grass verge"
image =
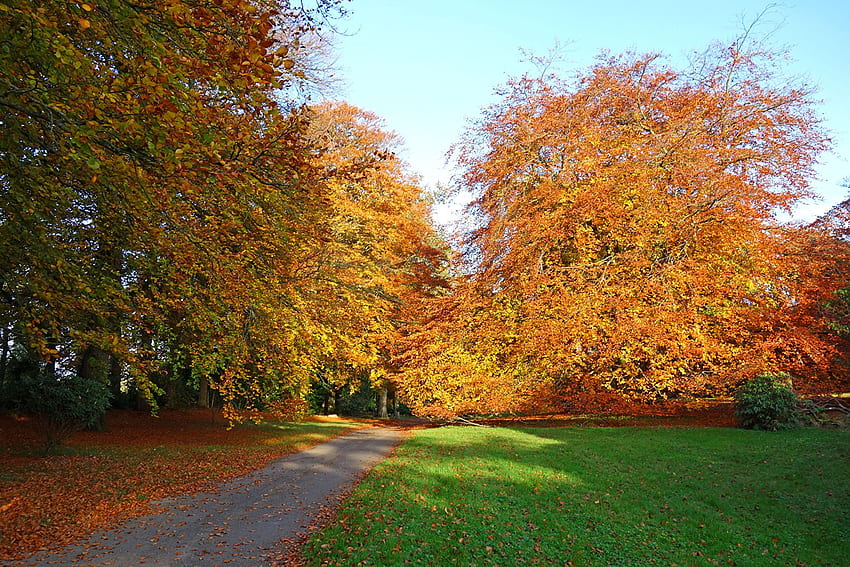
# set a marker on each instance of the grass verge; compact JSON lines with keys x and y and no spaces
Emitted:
{"x":599,"y":496}
{"x":100,"y":478}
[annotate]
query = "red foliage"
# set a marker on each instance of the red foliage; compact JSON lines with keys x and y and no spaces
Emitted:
{"x":618,"y":412}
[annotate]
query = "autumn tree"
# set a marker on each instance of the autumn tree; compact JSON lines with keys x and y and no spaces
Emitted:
{"x":380,"y":251}
{"x":626,"y":238}
{"x":155,"y":188}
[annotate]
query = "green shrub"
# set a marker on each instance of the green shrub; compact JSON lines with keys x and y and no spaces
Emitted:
{"x":20,"y":369}
{"x":767,"y":402}
{"x":63,"y":405}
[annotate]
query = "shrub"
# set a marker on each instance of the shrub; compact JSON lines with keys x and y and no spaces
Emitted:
{"x":20,"y":369}
{"x":63,"y":405}
{"x":767,"y":402}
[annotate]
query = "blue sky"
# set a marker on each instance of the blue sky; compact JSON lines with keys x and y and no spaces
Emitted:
{"x":428,"y":66}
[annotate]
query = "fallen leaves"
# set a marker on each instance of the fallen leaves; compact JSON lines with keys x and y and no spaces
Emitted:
{"x":116,"y":475}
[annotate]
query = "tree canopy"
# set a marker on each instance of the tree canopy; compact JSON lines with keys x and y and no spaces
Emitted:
{"x":177,"y":217}
{"x":625,"y":237}
{"x":172,"y":212}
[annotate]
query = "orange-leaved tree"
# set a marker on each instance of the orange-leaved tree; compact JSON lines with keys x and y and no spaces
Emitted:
{"x":627,"y":235}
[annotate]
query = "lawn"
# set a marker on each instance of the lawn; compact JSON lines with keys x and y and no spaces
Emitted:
{"x":100,"y":478}
{"x":599,"y":496}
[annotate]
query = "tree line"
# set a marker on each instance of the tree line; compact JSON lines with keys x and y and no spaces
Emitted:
{"x":626,"y":237}
{"x":182,"y":224}
{"x":179,"y":222}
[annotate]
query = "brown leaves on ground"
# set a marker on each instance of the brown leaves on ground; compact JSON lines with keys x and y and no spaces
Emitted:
{"x":106,"y":477}
{"x":670,"y":413}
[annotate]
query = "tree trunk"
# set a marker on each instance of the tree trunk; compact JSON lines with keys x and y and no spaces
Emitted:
{"x":382,"y":402}
{"x":115,"y":377}
{"x":395,"y":404}
{"x":170,"y":394}
{"x":94,"y":364}
{"x":337,"y":400}
{"x":204,"y":393}
{"x":4,"y":357}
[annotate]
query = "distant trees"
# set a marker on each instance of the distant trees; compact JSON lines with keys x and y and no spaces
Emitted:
{"x":625,"y":239}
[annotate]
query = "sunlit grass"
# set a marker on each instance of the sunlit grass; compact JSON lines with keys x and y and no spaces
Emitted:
{"x":291,"y":436}
{"x":600,"y":496}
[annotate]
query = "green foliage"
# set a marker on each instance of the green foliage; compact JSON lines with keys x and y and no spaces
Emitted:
{"x":63,"y":405}
{"x":343,"y":392}
{"x":837,"y":311}
{"x":19,"y":367}
{"x":358,"y":399}
{"x":587,"y":496}
{"x":767,"y":402}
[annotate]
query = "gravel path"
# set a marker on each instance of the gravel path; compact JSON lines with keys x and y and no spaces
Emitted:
{"x":245,"y":521}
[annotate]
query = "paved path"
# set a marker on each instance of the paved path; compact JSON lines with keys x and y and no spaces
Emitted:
{"x":246,"y":519}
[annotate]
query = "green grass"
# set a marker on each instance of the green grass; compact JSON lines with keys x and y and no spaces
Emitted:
{"x":599,"y":496}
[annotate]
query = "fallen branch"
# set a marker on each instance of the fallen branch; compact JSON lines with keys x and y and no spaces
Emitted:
{"x":464,"y":421}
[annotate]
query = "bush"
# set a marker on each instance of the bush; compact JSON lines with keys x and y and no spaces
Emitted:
{"x":21,"y":368}
{"x":767,"y":402}
{"x":63,"y":405}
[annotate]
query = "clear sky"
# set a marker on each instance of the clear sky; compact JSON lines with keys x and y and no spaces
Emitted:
{"x":428,"y":66}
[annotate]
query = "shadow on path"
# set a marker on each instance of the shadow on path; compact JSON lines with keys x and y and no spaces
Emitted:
{"x":246,"y":519}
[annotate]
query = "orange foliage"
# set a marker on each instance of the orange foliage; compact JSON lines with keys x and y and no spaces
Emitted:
{"x":626,"y":238}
